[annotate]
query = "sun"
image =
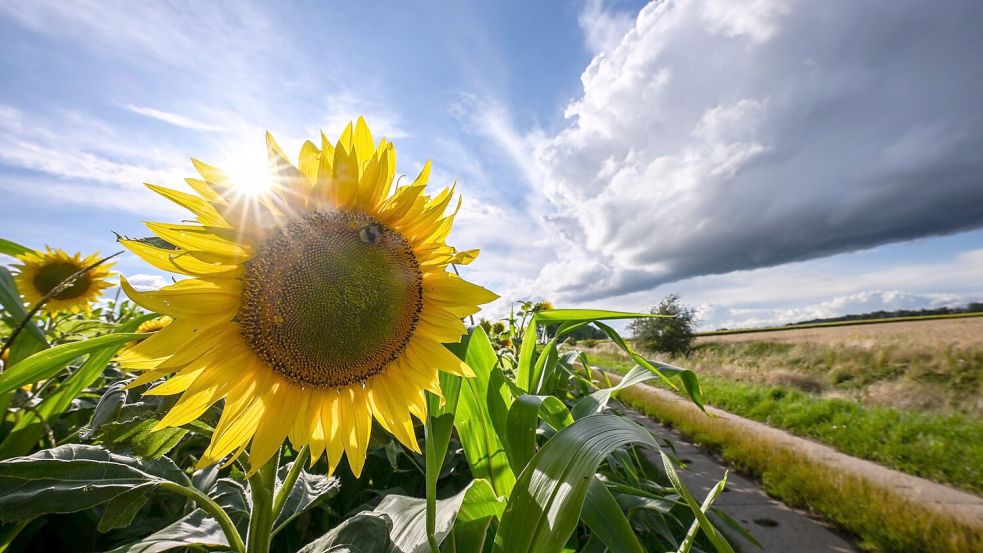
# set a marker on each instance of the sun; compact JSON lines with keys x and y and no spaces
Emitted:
{"x":249,"y":178}
{"x":248,"y":169}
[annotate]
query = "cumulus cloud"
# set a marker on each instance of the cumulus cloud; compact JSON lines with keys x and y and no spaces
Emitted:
{"x":602,"y":26}
{"x":886,"y":278}
{"x":715,"y":137}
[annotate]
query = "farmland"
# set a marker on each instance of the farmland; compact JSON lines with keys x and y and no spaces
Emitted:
{"x":905,"y":394}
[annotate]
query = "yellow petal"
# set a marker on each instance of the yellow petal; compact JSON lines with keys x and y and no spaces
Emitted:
{"x":193,"y":238}
{"x":210,"y":386}
{"x":331,"y":423}
{"x":362,"y":141}
{"x":423,"y":352}
{"x":189,"y":297}
{"x":292,"y":186}
{"x":309,"y":160}
{"x":389,"y":408}
{"x":452,"y":288}
{"x":178,"y":261}
{"x":205,"y":212}
{"x":280,"y":403}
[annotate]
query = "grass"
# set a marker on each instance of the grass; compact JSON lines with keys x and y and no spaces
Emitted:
{"x":944,"y":448}
{"x":882,"y":520}
{"x":840,"y":323}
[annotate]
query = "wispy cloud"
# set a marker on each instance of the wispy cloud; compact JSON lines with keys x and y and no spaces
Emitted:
{"x":174,"y":119}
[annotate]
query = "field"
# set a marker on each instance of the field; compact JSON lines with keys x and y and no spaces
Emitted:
{"x":905,"y":394}
{"x":829,"y":324}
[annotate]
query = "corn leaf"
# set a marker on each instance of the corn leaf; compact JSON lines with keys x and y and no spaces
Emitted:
{"x":29,"y":429}
{"x":548,"y":496}
{"x":716,"y":538}
{"x":31,"y":339}
{"x":523,"y":420}
{"x":607,"y":521}
{"x":13,"y":249}
{"x":49,"y":362}
{"x":479,"y":439}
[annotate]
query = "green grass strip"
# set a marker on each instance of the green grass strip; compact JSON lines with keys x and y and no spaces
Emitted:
{"x":944,"y":448}
{"x":881,"y":519}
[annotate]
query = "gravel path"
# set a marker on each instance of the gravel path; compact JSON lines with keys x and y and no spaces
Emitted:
{"x":795,"y":530}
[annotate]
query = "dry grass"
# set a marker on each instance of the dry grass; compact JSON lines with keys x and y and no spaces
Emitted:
{"x":930,"y":366}
{"x":934,"y":334}
{"x":881,"y":519}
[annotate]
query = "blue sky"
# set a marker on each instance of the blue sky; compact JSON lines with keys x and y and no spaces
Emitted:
{"x":784,"y":160}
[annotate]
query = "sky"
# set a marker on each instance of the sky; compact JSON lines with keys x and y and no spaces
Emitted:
{"x":769,"y":160}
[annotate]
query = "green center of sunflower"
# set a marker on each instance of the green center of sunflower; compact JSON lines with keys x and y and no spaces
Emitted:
{"x":331,"y":299}
{"x":52,"y":274}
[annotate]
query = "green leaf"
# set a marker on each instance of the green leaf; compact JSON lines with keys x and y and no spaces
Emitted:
{"x":604,"y":517}
{"x":363,"y":533}
{"x":108,"y":407}
{"x":49,"y":362}
{"x":439,"y":425}
{"x":547,"y":499}
{"x":409,"y":534}
{"x":688,"y":377}
{"x":31,"y":339}
{"x":716,"y":538}
{"x":598,"y":401}
{"x":587,"y":315}
{"x":75,"y":477}
{"x":525,"y":376}
{"x":197,"y":530}
{"x":13,"y":249}
{"x":479,"y":439}
{"x":231,"y":497}
{"x":121,"y":510}
{"x":139,"y":436}
{"x":28,"y":430}
{"x":523,"y":420}
{"x":308,"y":490}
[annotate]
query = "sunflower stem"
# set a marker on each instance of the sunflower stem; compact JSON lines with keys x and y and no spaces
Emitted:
{"x":261,"y":486}
{"x":288,"y":483}
{"x":212,"y":508}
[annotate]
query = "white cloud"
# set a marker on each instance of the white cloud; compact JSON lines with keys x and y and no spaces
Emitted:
{"x":173,"y":118}
{"x":78,"y":159}
{"x":143,"y":281}
{"x":828,"y":287}
{"x":603,"y":28}
{"x":754,"y":18}
{"x":715,"y":137}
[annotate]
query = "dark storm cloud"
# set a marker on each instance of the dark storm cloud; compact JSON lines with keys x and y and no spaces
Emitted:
{"x":719,"y":137}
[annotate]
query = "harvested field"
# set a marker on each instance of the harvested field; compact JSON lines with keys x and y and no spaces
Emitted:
{"x":937,"y":333}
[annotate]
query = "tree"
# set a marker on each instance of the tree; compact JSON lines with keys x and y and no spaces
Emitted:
{"x":672,"y":334}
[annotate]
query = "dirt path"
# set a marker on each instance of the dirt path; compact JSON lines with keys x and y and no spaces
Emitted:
{"x":777,"y":527}
{"x":954,"y":503}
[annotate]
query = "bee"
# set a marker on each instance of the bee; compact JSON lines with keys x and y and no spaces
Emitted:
{"x":371,"y":233}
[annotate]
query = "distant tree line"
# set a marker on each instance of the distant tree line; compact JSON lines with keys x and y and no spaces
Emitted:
{"x":975,"y":307}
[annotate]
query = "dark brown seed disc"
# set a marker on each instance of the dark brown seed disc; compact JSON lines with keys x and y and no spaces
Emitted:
{"x":52,"y":274}
{"x":331,"y":299}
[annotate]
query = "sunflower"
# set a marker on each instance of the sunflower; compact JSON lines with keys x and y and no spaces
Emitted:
{"x":312,"y":308}
{"x":42,"y":272}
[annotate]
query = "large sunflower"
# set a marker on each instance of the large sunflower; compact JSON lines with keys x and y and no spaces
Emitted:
{"x":40,"y":272}
{"x":311,"y":308}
